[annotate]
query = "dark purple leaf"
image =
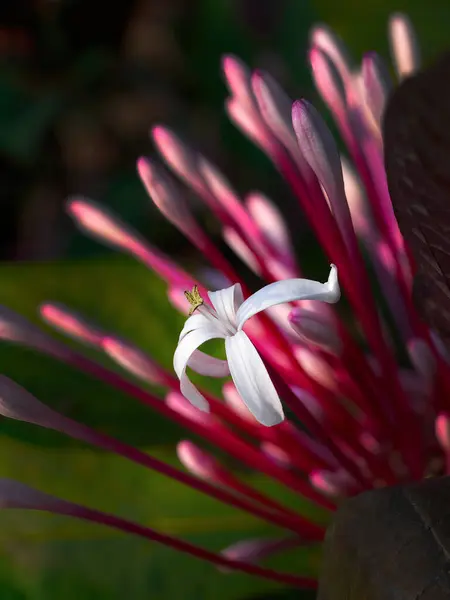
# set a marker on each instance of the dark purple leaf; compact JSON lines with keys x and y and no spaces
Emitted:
{"x":417,"y":157}
{"x":390,"y":544}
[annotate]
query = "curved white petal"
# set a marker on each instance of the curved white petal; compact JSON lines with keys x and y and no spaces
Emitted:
{"x":197,"y":321}
{"x":226,"y":302}
{"x":289,"y":290}
{"x":252,"y":380}
{"x":186,"y":347}
{"x":204,"y":364}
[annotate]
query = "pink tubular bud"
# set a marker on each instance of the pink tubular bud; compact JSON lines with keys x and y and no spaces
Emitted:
{"x":167,"y":197}
{"x":223,"y":193}
{"x":275,"y":107}
{"x":377,"y":85}
{"x":178,"y":155}
{"x":249,"y":122}
{"x":323,"y":38}
{"x":237,"y":77}
{"x":280,"y":315}
{"x":328,"y":82}
{"x":71,"y":324}
{"x":241,"y":107}
{"x":334,"y":484}
{"x":320,"y":152}
{"x":313,"y":446}
{"x":19,"y":405}
{"x":360,"y":212}
{"x":234,"y":401}
{"x":103,"y":225}
{"x":404,"y":45}
{"x":315,"y":329}
{"x":178,"y":403}
{"x":15,"y":328}
{"x":240,"y":248}
{"x":316,"y":367}
{"x":255,"y":550}
{"x":133,"y":360}
{"x":14,"y":494}
{"x":442,"y":429}
{"x":99,"y":222}
{"x":198,"y":462}
{"x":276,"y":454}
{"x":310,"y":402}
{"x":271,"y":223}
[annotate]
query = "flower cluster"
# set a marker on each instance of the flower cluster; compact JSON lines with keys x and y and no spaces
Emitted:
{"x":358,"y":416}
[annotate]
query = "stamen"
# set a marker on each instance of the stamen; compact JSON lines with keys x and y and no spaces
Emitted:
{"x":194,"y":299}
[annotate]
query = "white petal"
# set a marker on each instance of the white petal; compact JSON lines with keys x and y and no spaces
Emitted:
{"x":197,"y":321}
{"x":183,"y":353}
{"x":226,"y":302}
{"x":204,"y":364}
{"x":252,"y":380}
{"x":288,"y":291}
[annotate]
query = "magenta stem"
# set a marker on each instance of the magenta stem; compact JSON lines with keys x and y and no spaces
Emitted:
{"x":94,"y":516}
{"x":315,"y":427}
{"x":219,"y":435}
{"x":365,"y":306}
{"x":253,"y":429}
{"x":242,"y":224}
{"x":292,"y":522}
{"x":256,"y":495}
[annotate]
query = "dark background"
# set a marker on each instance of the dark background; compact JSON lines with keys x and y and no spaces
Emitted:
{"x":81,"y":82}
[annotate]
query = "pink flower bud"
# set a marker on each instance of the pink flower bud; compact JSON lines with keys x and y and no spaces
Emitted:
{"x":198,"y":462}
{"x":316,"y":329}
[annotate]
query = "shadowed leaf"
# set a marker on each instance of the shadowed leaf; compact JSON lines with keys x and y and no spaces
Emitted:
{"x":417,"y":156}
{"x":391,"y":544}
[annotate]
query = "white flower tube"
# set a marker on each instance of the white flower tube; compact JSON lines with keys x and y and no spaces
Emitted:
{"x":225,"y":320}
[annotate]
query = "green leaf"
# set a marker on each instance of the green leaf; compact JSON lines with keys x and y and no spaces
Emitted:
{"x":366,"y":30}
{"x":121,"y":296}
{"x":67,"y":558}
{"x":71,"y":559}
{"x":293,"y":594}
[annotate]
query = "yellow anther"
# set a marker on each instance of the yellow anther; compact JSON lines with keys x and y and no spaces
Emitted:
{"x":194,"y":299}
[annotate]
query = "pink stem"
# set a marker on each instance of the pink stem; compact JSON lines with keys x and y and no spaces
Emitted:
{"x":315,"y":427}
{"x":242,"y":224}
{"x":301,"y":456}
{"x":364,"y":304}
{"x":88,"y":514}
{"x":290,"y":521}
{"x":246,"y":490}
{"x":219,"y":436}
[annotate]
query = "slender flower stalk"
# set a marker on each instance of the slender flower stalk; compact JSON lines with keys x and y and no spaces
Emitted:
{"x":356,"y":414}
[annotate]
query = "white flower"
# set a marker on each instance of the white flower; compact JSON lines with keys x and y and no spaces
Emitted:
{"x":226,"y":320}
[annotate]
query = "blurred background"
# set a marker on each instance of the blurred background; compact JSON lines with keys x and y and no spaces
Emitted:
{"x":81,"y":82}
